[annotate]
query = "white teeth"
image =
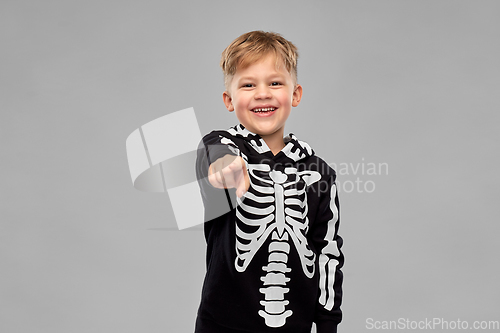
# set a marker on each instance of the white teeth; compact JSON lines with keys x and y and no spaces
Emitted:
{"x":263,"y":110}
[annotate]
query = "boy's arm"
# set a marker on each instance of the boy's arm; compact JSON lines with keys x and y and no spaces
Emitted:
{"x":210,"y":149}
{"x":330,"y":259}
{"x":219,"y":159}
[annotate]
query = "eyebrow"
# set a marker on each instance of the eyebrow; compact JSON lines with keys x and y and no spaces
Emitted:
{"x":271,"y":76}
{"x":246,"y":78}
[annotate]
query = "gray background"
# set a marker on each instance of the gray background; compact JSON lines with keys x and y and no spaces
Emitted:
{"x":413,"y":84}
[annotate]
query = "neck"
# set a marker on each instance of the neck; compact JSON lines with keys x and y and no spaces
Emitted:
{"x":274,"y":142}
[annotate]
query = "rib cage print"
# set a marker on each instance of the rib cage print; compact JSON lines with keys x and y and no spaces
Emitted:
{"x":275,"y":206}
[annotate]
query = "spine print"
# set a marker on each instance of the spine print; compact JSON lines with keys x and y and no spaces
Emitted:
{"x":275,"y":312}
{"x":275,"y":280}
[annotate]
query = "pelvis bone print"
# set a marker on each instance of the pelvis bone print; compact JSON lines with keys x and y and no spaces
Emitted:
{"x":276,"y":206}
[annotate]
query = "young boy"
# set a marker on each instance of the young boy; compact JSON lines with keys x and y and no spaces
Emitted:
{"x":273,"y":257}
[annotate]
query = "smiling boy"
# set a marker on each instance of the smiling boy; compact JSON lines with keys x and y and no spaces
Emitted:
{"x":262,"y":96}
{"x":274,"y":260}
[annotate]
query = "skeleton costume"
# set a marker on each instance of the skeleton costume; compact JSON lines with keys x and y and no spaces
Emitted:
{"x":273,"y":258}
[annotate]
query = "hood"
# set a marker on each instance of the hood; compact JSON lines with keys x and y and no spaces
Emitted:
{"x":294,"y":149}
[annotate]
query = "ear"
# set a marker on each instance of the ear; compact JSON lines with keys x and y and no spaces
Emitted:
{"x":228,"y":101}
{"x":297,"y":95}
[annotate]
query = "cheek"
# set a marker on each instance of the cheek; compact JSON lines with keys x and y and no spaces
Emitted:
{"x":241,"y":107}
{"x":286,"y":99}
{"x":242,"y":102}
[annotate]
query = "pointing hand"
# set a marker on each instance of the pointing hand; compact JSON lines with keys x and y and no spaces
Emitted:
{"x":229,"y":171}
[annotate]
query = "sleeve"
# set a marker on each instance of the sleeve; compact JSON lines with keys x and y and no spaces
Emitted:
{"x":330,"y":258}
{"x":218,"y":146}
{"x":217,"y":202}
{"x":212,"y":147}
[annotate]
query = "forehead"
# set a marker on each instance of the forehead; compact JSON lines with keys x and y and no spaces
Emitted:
{"x":270,"y":65}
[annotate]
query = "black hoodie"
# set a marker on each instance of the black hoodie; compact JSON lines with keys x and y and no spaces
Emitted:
{"x":273,"y":257}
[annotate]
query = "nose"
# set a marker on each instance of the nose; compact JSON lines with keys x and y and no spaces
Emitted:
{"x":262,"y":92}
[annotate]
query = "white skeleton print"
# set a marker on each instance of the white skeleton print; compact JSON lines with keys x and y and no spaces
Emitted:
{"x":276,"y":205}
{"x":273,"y":255}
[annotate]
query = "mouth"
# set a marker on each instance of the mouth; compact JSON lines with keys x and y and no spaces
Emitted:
{"x":264,"y":111}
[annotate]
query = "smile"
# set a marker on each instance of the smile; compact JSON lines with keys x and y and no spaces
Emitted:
{"x":262,"y":110}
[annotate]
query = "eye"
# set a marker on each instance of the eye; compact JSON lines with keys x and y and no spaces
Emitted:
{"x":276,"y":83}
{"x":247,"y":85}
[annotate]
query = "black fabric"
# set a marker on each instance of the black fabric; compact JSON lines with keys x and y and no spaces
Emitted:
{"x":308,"y":281}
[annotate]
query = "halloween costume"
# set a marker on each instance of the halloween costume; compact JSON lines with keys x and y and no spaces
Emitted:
{"x":273,"y":259}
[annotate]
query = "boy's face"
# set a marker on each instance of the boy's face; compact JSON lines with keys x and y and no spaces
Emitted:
{"x":261,"y":86}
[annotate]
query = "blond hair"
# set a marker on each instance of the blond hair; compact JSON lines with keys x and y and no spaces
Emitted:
{"x":253,"y":46}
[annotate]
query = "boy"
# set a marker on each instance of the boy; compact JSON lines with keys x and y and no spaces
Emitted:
{"x":273,"y":261}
